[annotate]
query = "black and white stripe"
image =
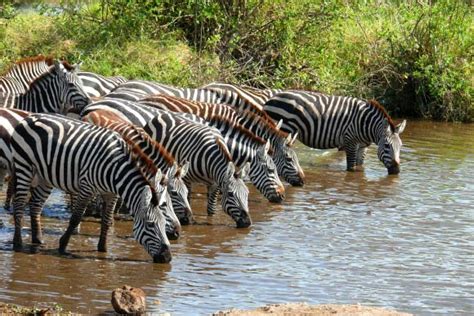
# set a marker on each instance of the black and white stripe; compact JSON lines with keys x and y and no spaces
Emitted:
{"x":189,"y":141}
{"x":325,"y":121}
{"x":285,"y":158}
{"x":54,"y":151}
{"x":51,"y":92}
{"x":96,"y":85}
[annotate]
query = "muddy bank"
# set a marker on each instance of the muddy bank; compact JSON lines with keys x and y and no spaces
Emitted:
{"x":42,"y":309}
{"x":316,"y":310}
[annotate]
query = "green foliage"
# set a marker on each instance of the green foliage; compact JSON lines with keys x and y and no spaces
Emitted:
{"x":414,"y":56}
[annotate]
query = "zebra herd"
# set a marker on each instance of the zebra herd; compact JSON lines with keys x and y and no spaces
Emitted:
{"x":148,"y":143}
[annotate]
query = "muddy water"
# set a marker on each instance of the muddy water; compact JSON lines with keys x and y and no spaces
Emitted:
{"x":402,"y":241}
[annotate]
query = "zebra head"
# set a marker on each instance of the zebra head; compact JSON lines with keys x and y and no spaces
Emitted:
{"x":235,"y":195}
{"x":71,"y":93}
{"x":179,"y":192}
{"x":149,"y":224}
{"x":264,"y":176}
{"x":287,"y":161}
{"x":389,"y":146}
{"x":173,"y":227}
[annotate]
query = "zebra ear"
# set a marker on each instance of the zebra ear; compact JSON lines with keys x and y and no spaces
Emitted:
{"x":173,"y":170}
{"x":244,"y":170}
{"x":184,"y":169}
{"x":77,"y":66}
{"x":158,"y":177}
{"x":387,"y":127}
{"x":288,"y":140}
{"x":267,"y":147}
{"x":230,"y":169}
{"x":280,"y":123}
{"x":294,"y":139}
{"x":400,"y":127}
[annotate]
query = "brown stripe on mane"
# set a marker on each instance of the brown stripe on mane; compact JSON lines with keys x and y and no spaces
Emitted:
{"x":238,"y":127}
{"x":112,"y":121}
{"x":48,"y":60}
{"x":223,"y":149}
{"x":268,"y":124}
{"x":384,"y":112}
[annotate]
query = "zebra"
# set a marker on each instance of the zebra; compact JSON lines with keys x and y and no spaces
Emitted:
{"x":51,"y":92}
{"x":96,"y":85}
{"x":9,"y":119}
{"x":193,"y":141}
{"x":286,"y":160}
{"x":160,"y":157}
{"x":19,"y":77}
{"x":211,"y":162}
{"x":243,"y":143}
{"x":350,"y":124}
{"x":284,"y":156}
{"x":54,"y":151}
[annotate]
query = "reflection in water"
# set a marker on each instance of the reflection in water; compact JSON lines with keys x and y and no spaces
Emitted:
{"x":401,"y":241}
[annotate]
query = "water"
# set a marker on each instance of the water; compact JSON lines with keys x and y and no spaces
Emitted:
{"x":405,"y":242}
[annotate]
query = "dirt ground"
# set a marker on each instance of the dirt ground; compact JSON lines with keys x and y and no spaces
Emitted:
{"x":313,"y":310}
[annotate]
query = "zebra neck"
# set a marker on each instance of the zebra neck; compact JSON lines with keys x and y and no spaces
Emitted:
{"x":128,"y":183}
{"x":38,"y":100}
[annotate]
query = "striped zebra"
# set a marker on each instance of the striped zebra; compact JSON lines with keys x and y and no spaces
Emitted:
{"x":211,"y":162}
{"x":49,"y":93}
{"x":53,"y":151}
{"x":96,"y":85}
{"x":201,"y":145}
{"x":160,"y":157}
{"x":350,"y":124}
{"x":246,"y":147}
{"x":9,"y":119}
{"x":18,"y":78}
{"x":243,"y":143}
{"x":285,"y":157}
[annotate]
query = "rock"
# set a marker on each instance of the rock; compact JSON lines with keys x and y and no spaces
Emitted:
{"x":129,"y":300}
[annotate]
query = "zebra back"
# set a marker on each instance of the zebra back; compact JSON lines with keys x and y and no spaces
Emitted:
{"x":96,"y":85}
{"x":19,"y":76}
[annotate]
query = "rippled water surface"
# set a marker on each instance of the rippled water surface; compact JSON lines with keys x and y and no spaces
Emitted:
{"x":404,"y":241}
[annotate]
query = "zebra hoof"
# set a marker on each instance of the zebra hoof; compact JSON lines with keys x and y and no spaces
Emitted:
{"x":37,"y":241}
{"x":17,"y":245}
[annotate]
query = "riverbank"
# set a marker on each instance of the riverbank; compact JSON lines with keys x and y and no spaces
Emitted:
{"x":296,"y":309}
{"x":293,"y":309}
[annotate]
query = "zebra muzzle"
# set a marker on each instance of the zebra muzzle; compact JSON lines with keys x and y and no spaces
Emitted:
{"x":164,"y":256}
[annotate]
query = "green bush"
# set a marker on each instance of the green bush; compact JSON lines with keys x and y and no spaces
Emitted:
{"x":415,"y":57}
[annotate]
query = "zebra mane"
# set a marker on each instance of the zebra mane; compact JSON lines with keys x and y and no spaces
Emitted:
{"x":384,"y":112}
{"x":241,"y":129}
{"x":48,"y":60}
{"x":124,"y":128}
{"x":223,"y":148}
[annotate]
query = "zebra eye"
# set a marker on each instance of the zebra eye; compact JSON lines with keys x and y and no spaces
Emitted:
{"x":174,"y":193}
{"x":289,"y":159}
{"x":150,"y":225}
{"x":231,"y":194}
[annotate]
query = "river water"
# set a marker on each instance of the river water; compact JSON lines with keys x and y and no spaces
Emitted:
{"x":404,"y":242}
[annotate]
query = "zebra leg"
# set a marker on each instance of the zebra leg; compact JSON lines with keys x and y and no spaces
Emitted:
{"x":80,"y":205}
{"x":3,"y":173}
{"x":351,"y":155}
{"x":39,"y":195}
{"x":9,"y":195}
{"x":212,"y":193}
{"x":107,"y":219}
{"x":22,"y":183}
{"x":361,"y":153}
